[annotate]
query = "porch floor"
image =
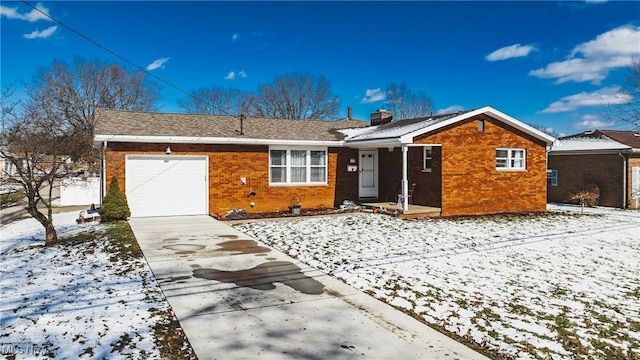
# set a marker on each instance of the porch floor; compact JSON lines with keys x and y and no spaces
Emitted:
{"x":414,"y":212}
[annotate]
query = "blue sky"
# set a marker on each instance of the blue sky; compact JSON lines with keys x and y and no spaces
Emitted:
{"x":542,"y":62}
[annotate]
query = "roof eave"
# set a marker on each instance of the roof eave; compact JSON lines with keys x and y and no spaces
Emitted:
{"x":591,"y":152}
{"x":381,"y":142}
{"x":548,"y":139}
{"x":99,"y":138}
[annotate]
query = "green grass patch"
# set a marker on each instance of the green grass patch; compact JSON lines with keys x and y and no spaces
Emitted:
{"x":123,"y":244}
{"x":170,"y":338}
{"x":11,"y":197}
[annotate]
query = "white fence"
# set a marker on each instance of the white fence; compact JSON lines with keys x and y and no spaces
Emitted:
{"x":80,"y":191}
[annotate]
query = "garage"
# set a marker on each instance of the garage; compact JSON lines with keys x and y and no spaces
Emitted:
{"x":166,"y":185}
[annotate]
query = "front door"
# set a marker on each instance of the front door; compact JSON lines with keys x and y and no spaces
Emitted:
{"x":368,"y":184}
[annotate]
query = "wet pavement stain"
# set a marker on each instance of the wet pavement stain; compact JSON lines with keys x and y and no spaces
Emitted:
{"x":184,"y":248}
{"x":228,"y":236}
{"x":263,"y":277}
{"x":239,"y":247}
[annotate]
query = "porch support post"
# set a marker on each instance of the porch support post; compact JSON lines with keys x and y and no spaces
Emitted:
{"x":405,"y":180}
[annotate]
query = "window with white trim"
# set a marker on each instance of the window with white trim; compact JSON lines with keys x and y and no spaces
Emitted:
{"x":552,"y":177}
{"x":427,"y":157}
{"x":510,"y":159}
{"x":297,"y":166}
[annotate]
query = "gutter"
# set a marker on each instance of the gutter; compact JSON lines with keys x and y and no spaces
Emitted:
{"x":103,"y":173}
{"x":624,"y":180}
{"x":211,"y":140}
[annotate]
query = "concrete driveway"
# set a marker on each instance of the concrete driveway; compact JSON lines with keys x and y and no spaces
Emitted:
{"x":237,"y":298}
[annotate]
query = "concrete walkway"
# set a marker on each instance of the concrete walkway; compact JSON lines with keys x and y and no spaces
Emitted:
{"x":237,"y":298}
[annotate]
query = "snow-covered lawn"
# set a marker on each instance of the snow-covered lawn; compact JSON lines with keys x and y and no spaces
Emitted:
{"x":74,"y":301}
{"x":556,"y":286}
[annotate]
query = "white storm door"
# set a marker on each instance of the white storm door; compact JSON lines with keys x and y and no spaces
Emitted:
{"x":368,"y":182}
{"x":167,"y":185}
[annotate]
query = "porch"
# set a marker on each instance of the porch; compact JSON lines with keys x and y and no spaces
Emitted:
{"x":413,"y":212}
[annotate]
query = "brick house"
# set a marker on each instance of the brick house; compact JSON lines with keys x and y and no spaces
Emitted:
{"x":470,"y":162}
{"x":609,"y":159}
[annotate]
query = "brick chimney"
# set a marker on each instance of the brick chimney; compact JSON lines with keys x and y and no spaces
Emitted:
{"x":381,"y":117}
{"x":349,"y":112}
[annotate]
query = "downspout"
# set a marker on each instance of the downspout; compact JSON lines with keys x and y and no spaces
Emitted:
{"x":103,"y":173}
{"x":405,"y":180}
{"x":624,"y":180}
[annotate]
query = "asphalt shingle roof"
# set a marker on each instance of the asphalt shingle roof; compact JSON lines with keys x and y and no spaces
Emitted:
{"x":629,"y":138}
{"x":137,"y":123}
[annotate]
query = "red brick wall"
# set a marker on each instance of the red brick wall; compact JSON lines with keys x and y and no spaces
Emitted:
{"x":574,"y":171}
{"x":228,"y":163}
{"x":470,"y":182}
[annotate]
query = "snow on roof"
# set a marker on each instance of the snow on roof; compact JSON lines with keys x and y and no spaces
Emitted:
{"x":587,"y":144}
{"x":398,"y":128}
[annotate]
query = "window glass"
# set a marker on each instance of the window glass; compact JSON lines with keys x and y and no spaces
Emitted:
{"x":278,"y":157}
{"x":318,"y":174}
{"x":298,"y":166}
{"x":510,"y":159}
{"x":318,"y":157}
{"x":428,"y":158}
{"x":552,"y":177}
{"x":278,"y":175}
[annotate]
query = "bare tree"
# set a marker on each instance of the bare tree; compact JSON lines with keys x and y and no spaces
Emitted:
{"x":545,"y":129}
{"x":75,"y":91}
{"x":55,"y":126}
{"x":405,"y":103}
{"x":629,"y":112}
{"x":40,"y":145}
{"x":297,"y":96}
{"x":219,"y":101}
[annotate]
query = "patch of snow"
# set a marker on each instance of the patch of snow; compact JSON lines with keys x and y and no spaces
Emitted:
{"x":586,"y":144}
{"x":73,"y":301}
{"x":522,"y":286}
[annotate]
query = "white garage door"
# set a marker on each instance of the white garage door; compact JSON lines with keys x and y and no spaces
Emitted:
{"x":166,"y":185}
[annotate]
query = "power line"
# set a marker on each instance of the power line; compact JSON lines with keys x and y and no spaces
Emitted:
{"x":121,"y":57}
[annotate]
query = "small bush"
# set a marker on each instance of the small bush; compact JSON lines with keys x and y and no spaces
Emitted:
{"x":588,"y":195}
{"x":114,"y":205}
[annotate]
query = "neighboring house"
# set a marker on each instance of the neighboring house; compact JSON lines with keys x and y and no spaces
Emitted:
{"x":7,"y":168}
{"x":471,"y":162}
{"x":609,"y":159}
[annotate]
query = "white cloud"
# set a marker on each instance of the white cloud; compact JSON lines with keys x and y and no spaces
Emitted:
{"x":158,"y":63}
{"x":231,"y":75}
{"x":373,"y":95}
{"x":450,"y":109}
{"x":31,"y":16}
{"x":509,"y":52}
{"x":606,"y":96}
{"x":592,"y":60}
{"x":41,"y":34}
{"x":235,"y":37}
{"x":592,"y":122}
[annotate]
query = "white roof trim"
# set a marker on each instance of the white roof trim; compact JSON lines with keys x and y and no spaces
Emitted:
{"x":208,"y":140}
{"x":576,"y":146}
{"x":408,"y":138}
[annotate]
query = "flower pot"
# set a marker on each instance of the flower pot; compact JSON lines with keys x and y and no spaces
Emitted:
{"x":294,"y":209}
